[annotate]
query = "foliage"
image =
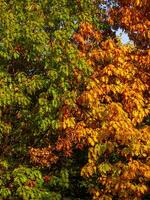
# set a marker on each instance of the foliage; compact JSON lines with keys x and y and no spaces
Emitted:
{"x":28,"y":183}
{"x":74,"y":101}
{"x":38,"y":57}
{"x":109,"y":117}
{"x":133,"y":17}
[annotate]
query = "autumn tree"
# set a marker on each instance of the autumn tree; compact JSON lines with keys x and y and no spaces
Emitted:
{"x":37,"y":60}
{"x":109,"y":117}
{"x":74,"y":101}
{"x":112,"y":112}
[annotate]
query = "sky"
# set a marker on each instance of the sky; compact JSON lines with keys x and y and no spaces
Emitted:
{"x":124,"y":36}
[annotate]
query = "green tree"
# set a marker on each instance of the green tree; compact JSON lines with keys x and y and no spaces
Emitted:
{"x":37,"y":62}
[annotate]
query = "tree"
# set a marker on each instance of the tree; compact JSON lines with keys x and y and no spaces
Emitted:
{"x":70,"y":88}
{"x":109,"y":118}
{"x":36,"y":69}
{"x":133,"y":17}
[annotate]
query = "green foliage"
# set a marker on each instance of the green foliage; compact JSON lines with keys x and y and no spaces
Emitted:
{"x":28,"y":183}
{"x":37,"y":62}
{"x":59,"y":75}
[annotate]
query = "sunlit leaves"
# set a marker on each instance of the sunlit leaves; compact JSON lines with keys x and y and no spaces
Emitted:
{"x":74,"y":101}
{"x":136,"y":24}
{"x":111,"y":107}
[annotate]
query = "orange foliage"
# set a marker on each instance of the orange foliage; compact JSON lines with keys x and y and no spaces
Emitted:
{"x":43,"y":157}
{"x":133,"y":17}
{"x":107,"y":115}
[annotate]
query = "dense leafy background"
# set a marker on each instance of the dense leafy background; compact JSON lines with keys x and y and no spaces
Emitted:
{"x":74,"y":102}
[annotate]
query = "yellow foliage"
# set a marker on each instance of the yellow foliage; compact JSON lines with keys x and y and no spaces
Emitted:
{"x":108,"y":112}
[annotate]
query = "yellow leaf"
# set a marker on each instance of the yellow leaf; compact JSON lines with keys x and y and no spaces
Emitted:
{"x":91,"y":142}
